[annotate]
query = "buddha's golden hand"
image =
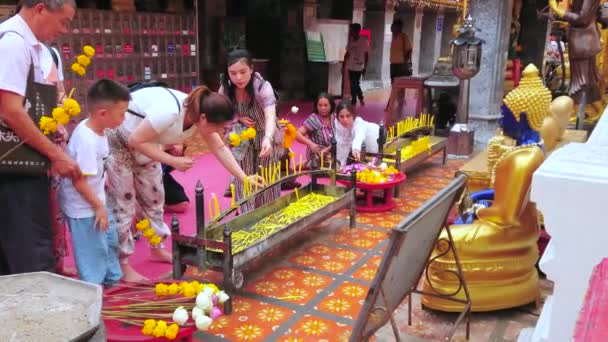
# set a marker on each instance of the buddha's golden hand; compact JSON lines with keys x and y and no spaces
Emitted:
{"x":555,"y":8}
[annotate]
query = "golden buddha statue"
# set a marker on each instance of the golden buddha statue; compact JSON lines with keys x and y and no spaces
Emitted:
{"x":497,"y":249}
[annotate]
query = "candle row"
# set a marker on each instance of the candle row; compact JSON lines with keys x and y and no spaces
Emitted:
{"x":410,"y":124}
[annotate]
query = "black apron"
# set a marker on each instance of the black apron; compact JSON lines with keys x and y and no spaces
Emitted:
{"x":26,"y":238}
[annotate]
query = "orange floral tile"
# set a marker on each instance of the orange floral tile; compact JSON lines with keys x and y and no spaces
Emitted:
{"x":361,"y":237}
{"x":416,"y":192}
{"x":289,"y":284}
{"x":431,"y":182}
{"x":345,"y":301}
{"x":251,"y":320}
{"x":325,"y":258}
{"x":368,"y":271}
{"x":312,"y":328}
{"x":408,"y":205}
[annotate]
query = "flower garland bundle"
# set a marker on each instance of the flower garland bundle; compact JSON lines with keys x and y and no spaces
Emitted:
{"x":148,"y":232}
{"x":83,"y":60}
{"x":161,"y":309}
{"x":70,"y":107}
{"x":236,"y":139}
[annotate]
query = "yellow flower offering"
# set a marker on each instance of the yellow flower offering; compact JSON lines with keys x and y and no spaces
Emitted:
{"x":78,"y":69}
{"x":88,"y":50}
{"x":61,"y":116}
{"x":189,"y":290}
{"x":174,"y":289}
{"x":148,"y":233}
{"x":143,"y":224}
{"x":235,"y":139}
{"x":148,"y":327}
{"x":159,"y":330}
{"x":290,"y":135}
{"x":83,"y":60}
{"x":47,"y":125}
{"x":155,"y":240}
{"x":248,"y":134}
{"x":71,"y":107}
{"x":161,"y":289}
{"x":172,"y":331}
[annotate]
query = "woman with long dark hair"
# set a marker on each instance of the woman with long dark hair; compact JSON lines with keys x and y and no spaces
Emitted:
{"x":254,"y":104}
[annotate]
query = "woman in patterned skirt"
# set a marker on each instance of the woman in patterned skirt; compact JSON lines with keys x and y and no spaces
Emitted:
{"x":316,"y":131}
{"x":254,"y":104}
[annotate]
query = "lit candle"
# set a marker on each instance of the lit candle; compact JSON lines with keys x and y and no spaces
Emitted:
{"x":232,"y":202}
{"x":286,"y":167}
{"x":245,"y":183}
{"x":297,"y":195}
{"x":216,"y":205}
{"x":322,"y":156}
{"x":210,"y":210}
{"x":300,"y":167}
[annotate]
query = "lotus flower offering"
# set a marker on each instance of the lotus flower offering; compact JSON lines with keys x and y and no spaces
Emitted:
{"x":371,"y":173}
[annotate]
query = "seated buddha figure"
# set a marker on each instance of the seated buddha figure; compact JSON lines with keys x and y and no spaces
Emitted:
{"x":497,"y":247}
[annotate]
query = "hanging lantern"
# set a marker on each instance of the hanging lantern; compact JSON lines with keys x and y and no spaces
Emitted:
{"x":467,"y":51}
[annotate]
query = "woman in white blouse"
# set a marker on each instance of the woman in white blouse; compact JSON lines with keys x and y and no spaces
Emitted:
{"x":352,"y":133}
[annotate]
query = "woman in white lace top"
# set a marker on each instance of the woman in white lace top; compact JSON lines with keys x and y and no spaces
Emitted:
{"x":352,"y":133}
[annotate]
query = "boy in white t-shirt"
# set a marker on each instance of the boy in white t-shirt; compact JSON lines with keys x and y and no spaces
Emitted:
{"x":94,"y":236}
{"x":355,"y":61}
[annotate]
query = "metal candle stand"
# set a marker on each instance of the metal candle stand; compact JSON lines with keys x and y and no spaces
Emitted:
{"x":211,"y":247}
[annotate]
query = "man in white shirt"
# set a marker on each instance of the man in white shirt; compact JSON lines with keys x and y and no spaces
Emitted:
{"x":355,"y":61}
{"x":25,"y":234}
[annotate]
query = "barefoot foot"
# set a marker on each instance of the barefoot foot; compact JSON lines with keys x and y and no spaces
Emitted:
{"x":161,"y":255}
{"x":130,"y":275}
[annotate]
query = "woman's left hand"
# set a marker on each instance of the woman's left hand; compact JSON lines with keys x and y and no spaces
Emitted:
{"x":266,"y":147}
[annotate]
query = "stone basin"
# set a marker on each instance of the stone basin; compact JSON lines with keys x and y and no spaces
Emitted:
{"x":43,"y":306}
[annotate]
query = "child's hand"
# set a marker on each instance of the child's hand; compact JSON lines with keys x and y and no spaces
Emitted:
{"x":101,"y":218}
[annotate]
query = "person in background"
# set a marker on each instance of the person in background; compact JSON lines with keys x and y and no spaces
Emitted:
{"x":83,"y":201}
{"x":316,"y":131}
{"x":353,"y":133}
{"x":254,"y":103}
{"x":26,"y":239}
{"x":355,"y":62}
{"x":401,"y":52}
{"x":176,"y":200}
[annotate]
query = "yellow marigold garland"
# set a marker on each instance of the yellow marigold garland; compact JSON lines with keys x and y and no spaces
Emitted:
{"x":71,"y":107}
{"x":148,"y":232}
{"x":236,"y":139}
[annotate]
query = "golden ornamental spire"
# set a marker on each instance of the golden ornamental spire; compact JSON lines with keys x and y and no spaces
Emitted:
{"x":530,"y":97}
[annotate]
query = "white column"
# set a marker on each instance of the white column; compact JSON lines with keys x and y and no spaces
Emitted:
{"x":389,"y":15}
{"x":358,"y":11}
{"x":416,"y":40}
{"x":493,"y":18}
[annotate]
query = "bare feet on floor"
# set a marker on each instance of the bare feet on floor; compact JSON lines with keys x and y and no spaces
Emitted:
{"x":161,"y":255}
{"x":130,"y":275}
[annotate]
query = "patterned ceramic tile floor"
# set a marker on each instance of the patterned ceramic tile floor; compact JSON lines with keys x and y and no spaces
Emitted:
{"x":313,"y":289}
